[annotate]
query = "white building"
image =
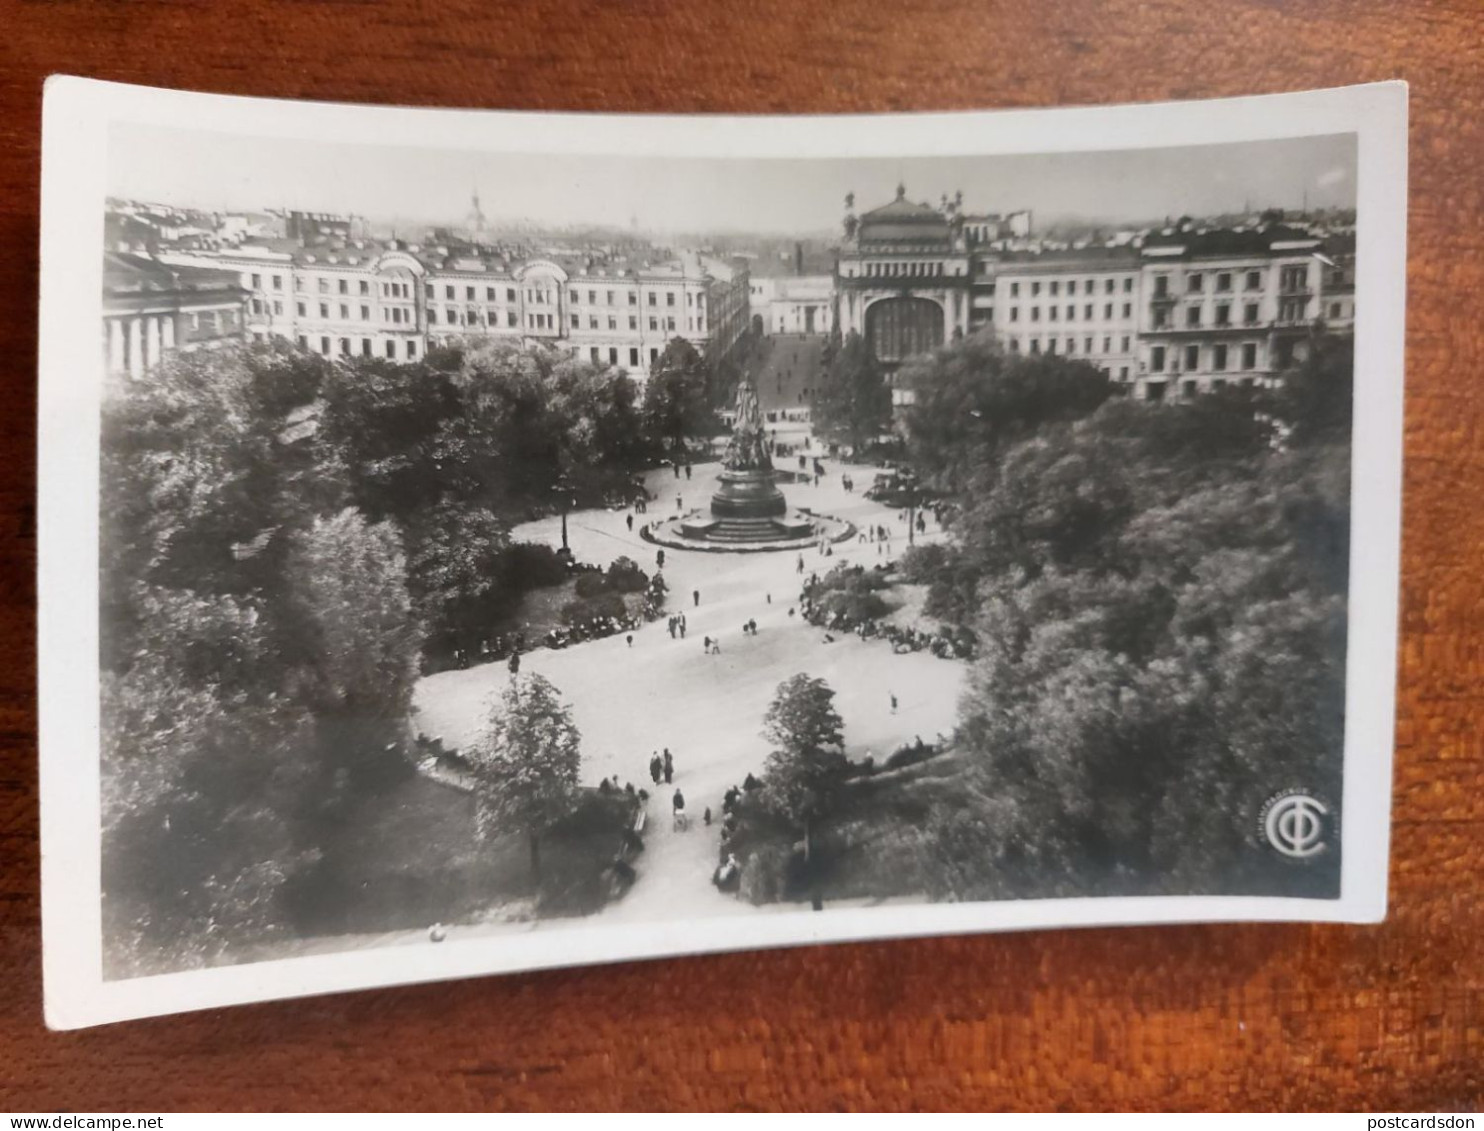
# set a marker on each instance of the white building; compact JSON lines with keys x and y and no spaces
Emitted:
{"x":343,"y":298}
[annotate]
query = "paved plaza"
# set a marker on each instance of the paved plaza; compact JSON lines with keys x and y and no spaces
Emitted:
{"x":708,"y":709}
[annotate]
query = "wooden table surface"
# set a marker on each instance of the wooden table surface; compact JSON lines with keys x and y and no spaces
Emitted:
{"x":1284,"y":1017}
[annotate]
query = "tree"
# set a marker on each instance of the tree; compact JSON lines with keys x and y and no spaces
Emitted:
{"x":1161,"y":646}
{"x":359,"y":636}
{"x":807,"y":765}
{"x":675,"y":398}
{"x":455,"y":573}
{"x":526,"y":762}
{"x":808,"y":761}
{"x":852,"y":401}
{"x":1315,"y":398}
{"x":972,"y":399}
{"x":381,"y":419}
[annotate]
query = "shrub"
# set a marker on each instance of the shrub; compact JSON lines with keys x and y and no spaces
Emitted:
{"x":625,"y":576}
{"x":590,"y":585}
{"x":605,"y":606}
{"x":531,"y":565}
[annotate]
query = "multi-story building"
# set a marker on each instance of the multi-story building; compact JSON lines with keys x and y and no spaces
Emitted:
{"x":1227,"y":306}
{"x":342,"y":298}
{"x":903,"y":280}
{"x":1175,"y":312}
{"x":801,"y":304}
{"x":1080,"y":303}
{"x":151,"y":309}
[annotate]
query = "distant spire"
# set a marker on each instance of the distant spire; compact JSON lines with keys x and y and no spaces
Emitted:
{"x":901,"y":190}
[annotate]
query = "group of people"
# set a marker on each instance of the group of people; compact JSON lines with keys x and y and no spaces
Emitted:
{"x":662,"y":767}
{"x":676,"y":626}
{"x":728,"y":873}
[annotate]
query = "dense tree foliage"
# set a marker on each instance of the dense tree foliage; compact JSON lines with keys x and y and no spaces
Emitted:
{"x":526,"y":763}
{"x":852,"y":402}
{"x":1160,"y":597}
{"x":807,"y":763}
{"x":677,"y":400}
{"x":281,"y":535}
{"x":972,"y":399}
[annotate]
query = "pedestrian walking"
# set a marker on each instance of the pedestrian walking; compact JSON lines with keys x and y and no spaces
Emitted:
{"x":656,"y":768}
{"x":679,"y":502}
{"x":801,"y":564}
{"x":893,"y":701}
{"x":695,"y":596}
{"x":706,"y":817}
{"x":514,"y":664}
{"x":706,"y":645}
{"x":687,"y":471}
{"x":670,"y":624}
{"x":630,"y":639}
{"x":659,"y":559}
{"x":669,"y":765}
{"x":677,"y":805}
{"x":629,"y":519}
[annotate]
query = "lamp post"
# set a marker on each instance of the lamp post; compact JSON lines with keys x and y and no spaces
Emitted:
{"x":563,"y":488}
{"x":909,"y":481}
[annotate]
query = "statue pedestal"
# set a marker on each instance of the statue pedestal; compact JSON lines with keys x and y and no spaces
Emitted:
{"x":749,"y":493}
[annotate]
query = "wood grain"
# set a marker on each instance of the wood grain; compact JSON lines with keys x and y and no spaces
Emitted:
{"x":1388,"y":1017}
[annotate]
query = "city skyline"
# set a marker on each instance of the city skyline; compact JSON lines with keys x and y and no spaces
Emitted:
{"x":221,"y":172}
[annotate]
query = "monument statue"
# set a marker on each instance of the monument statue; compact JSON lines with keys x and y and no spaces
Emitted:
{"x":746,"y":492}
{"x":747,"y":450}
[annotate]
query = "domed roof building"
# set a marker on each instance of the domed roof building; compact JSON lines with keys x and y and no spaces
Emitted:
{"x":904,"y":278}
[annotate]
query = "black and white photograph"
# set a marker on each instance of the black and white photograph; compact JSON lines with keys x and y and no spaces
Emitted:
{"x":476,"y":542}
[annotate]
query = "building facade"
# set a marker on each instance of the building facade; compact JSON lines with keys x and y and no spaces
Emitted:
{"x":346,"y":298}
{"x":903,"y":280}
{"x":151,"y":309}
{"x":800,"y":304}
{"x":1228,"y":307}
{"x":1081,"y":303}
{"x":1168,"y":313}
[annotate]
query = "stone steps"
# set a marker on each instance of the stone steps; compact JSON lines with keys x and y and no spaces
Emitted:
{"x":745,"y":530}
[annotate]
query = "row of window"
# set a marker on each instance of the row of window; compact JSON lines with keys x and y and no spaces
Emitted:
{"x":1089,"y":345}
{"x":1289,"y":310}
{"x":489,"y":317}
{"x":343,"y":346}
{"x":1293,"y":278}
{"x":1219,"y":355}
{"x":450,"y":292}
{"x":916,"y":270}
{"x":1089,"y":286}
{"x":348,"y":347}
{"x":1088,"y":312}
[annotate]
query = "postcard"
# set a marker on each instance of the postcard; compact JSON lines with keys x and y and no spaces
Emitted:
{"x":474,"y":542}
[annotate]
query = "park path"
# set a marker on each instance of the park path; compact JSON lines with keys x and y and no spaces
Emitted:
{"x":629,"y":701}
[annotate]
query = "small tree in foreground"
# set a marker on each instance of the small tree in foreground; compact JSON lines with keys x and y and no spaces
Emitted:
{"x":807,"y":765}
{"x":526,"y":763}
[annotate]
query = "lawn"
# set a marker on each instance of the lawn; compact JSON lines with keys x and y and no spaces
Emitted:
{"x":409,"y":856}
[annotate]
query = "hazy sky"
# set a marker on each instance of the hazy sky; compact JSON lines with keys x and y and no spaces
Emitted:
{"x":215,"y":171}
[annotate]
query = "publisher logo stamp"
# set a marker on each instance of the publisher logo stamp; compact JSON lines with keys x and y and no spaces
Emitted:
{"x":1296,"y":824}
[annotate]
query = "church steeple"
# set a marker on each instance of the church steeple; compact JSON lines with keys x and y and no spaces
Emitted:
{"x":475,"y":219}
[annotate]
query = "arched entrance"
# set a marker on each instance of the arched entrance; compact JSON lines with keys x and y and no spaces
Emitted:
{"x":899,"y":328}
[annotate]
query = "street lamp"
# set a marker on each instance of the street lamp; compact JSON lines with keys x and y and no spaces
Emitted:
{"x":563,"y":488}
{"x":909,"y":483}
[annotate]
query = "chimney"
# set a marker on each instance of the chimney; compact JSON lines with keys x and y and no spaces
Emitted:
{"x":798,"y":257}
